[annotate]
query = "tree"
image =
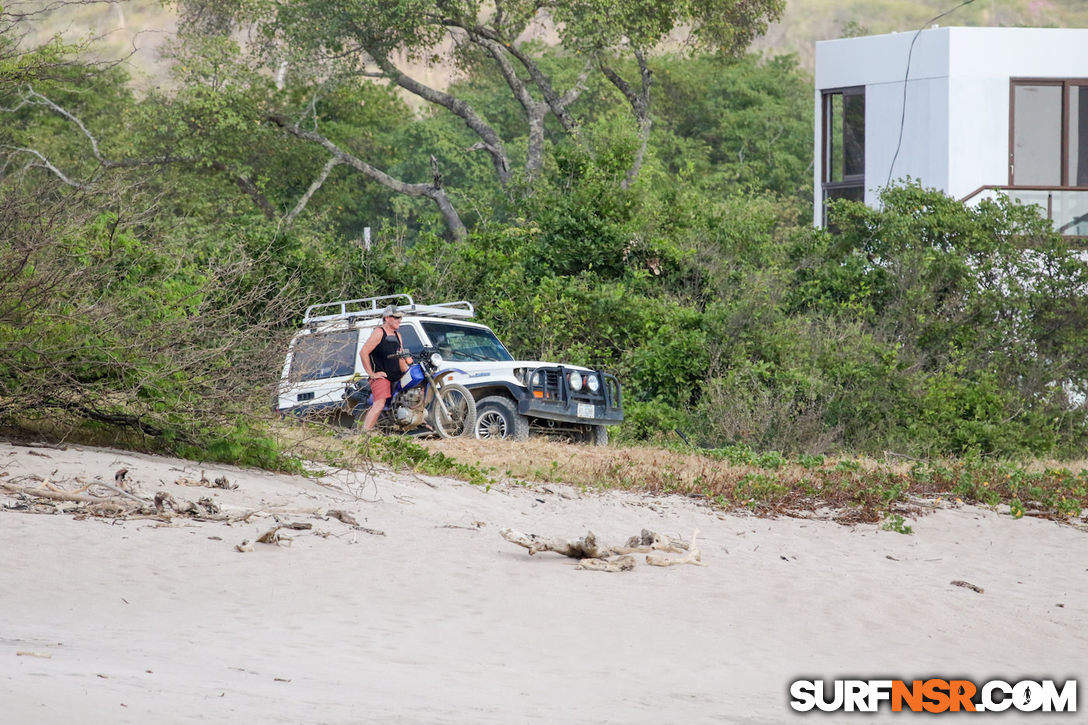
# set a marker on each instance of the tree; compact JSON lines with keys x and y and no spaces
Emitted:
{"x":737,"y":122}
{"x":373,"y":40}
{"x":113,"y":321}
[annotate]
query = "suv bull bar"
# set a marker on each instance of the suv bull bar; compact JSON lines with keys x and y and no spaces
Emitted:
{"x":549,"y":395}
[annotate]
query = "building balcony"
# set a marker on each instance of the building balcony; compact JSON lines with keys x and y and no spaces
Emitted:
{"x":1066,"y":207}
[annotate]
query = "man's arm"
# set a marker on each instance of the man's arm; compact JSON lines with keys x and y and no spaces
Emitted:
{"x":368,"y":347}
{"x":404,"y":362}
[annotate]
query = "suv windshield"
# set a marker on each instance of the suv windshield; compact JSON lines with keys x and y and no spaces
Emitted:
{"x":459,"y":342}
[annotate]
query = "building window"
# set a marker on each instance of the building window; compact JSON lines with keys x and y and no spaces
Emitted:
{"x":844,"y":144}
{"x":1049,"y":133}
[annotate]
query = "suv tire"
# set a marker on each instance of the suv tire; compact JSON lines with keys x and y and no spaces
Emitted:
{"x":596,"y":435}
{"x":497,"y":417}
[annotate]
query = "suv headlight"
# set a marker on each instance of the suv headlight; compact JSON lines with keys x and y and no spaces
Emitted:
{"x":576,"y":381}
{"x":593,"y":383}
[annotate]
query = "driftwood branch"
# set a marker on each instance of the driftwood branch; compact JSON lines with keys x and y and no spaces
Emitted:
{"x":122,"y":493}
{"x":623,"y":563}
{"x":51,"y":494}
{"x":122,"y":504}
{"x":584,"y":548}
{"x":595,"y":556}
{"x":693,"y":556}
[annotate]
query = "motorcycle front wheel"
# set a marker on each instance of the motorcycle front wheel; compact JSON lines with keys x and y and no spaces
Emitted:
{"x":459,"y":416}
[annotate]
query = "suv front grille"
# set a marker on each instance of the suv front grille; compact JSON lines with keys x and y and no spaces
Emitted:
{"x":552,"y":384}
{"x":549,"y":382}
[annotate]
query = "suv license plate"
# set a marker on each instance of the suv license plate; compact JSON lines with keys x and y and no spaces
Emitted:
{"x":585,"y":410}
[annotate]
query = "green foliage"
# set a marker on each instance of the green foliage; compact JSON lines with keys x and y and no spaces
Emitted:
{"x":402,"y":452}
{"x":654,"y":421}
{"x":671,"y":364}
{"x":896,"y":523}
{"x":744,"y":122}
{"x":756,"y":489}
{"x":969,"y":413}
{"x":141,"y":337}
{"x":585,"y":221}
{"x":158,"y":293}
{"x":243,"y":444}
{"x":808,"y":461}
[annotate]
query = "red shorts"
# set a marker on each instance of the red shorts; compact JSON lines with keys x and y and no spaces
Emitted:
{"x":380,"y":388}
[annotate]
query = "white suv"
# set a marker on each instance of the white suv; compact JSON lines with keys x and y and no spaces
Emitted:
{"x":513,"y":397}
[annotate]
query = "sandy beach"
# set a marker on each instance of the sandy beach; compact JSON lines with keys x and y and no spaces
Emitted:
{"x":423,"y":613}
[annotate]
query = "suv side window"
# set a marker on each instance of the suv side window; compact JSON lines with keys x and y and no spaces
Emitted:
{"x":410,"y":338}
{"x":325,"y":355}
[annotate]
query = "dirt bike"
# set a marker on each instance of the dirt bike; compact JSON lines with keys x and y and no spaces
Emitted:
{"x":421,"y":402}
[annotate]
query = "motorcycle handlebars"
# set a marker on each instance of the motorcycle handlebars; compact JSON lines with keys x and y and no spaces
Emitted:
{"x":425,"y":353}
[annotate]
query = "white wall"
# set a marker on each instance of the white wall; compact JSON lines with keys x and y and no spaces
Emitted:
{"x":956,"y":126}
{"x":981,"y":63}
{"x":978,"y":136}
{"x":924,"y":150}
{"x":879,"y":63}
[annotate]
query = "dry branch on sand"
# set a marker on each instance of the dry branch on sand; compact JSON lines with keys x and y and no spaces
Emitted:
{"x":594,"y":556}
{"x":118,"y":503}
{"x":272,"y":536}
{"x":220,"y":482}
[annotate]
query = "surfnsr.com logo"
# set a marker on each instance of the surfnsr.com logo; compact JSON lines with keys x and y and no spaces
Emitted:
{"x":933,"y":695}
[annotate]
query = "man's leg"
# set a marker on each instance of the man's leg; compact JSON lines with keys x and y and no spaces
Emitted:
{"x":371,"y":417}
{"x":380,"y":389}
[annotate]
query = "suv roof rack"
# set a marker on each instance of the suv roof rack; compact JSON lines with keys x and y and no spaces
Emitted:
{"x":370,"y":307}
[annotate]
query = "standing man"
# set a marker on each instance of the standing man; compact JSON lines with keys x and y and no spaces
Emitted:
{"x":381,"y":362}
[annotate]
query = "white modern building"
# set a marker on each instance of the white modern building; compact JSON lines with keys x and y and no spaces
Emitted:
{"x":969,"y":111}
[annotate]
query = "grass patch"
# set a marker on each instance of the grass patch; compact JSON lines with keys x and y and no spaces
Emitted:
{"x":335,"y":447}
{"x":400,"y":452}
{"x":732,"y":478}
{"x":243,"y":445}
{"x":737,"y":478}
{"x":251,"y":442}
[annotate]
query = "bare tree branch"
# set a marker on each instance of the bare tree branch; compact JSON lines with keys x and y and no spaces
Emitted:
{"x":554,"y":100}
{"x":572,"y":93}
{"x":494,"y":144}
{"x":434,"y":191}
{"x":535,"y":111}
{"x":332,"y":163}
{"x":46,"y":164}
{"x":33,"y":98}
{"x":16,"y":10}
{"x":87,"y":349}
{"x":640,"y":106}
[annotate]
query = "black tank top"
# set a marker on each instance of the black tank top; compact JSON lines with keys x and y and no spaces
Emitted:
{"x":383,"y":358}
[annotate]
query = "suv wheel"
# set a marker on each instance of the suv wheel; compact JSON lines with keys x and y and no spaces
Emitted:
{"x":497,"y":417}
{"x":596,"y":435}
